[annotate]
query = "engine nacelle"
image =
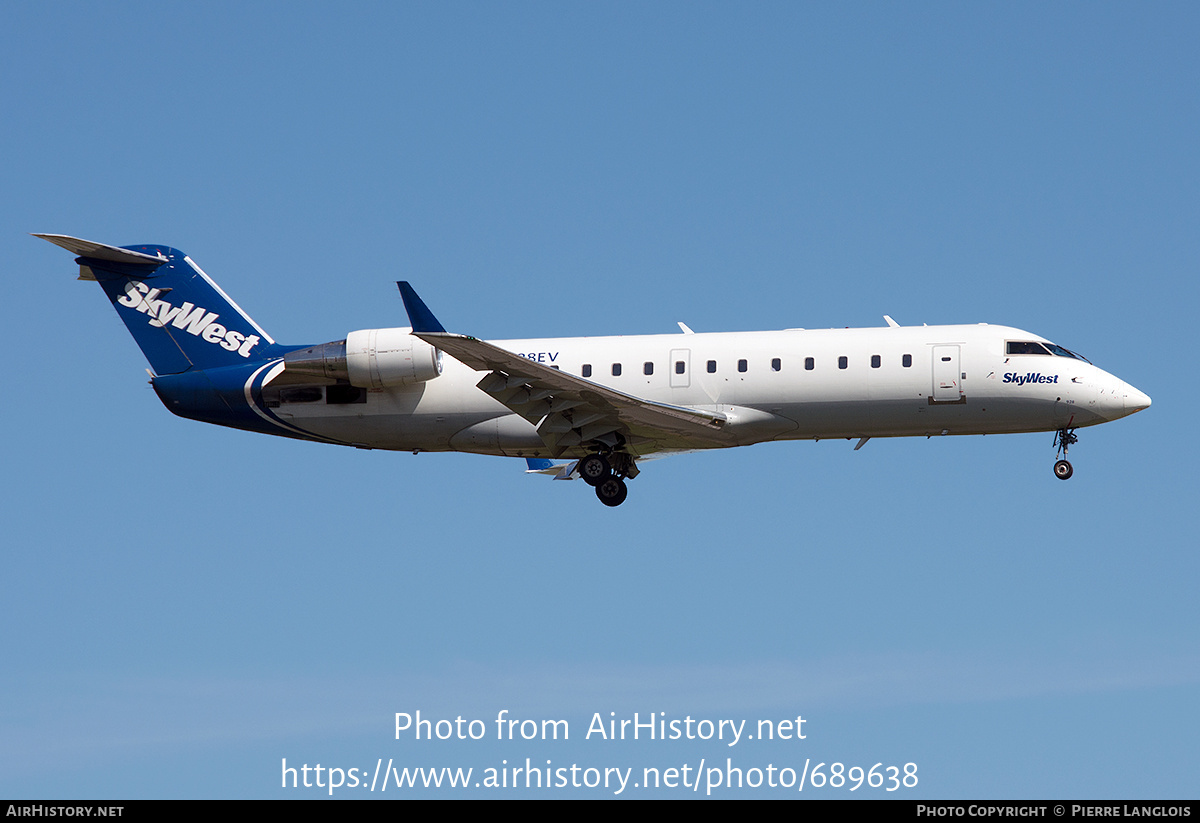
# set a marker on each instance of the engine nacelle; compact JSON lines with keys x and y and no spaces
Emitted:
{"x":369,"y":359}
{"x":378,"y":358}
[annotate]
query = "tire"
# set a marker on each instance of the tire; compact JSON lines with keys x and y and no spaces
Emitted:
{"x":594,"y":469}
{"x":612,"y":492}
{"x":1063,"y":470}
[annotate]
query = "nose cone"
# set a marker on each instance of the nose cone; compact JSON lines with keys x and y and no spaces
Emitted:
{"x":1114,"y":398}
{"x":1135,"y":400}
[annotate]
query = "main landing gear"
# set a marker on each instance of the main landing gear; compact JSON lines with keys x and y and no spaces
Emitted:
{"x":1062,"y":439}
{"x":606,"y":473}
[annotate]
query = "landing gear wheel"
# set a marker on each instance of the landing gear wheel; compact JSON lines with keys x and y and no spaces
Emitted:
{"x":612,"y":491}
{"x":594,"y":470}
{"x":1063,"y":470}
{"x":1063,"y":439}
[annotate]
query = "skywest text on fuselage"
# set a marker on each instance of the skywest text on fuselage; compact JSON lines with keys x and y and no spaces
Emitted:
{"x":1031,"y":377}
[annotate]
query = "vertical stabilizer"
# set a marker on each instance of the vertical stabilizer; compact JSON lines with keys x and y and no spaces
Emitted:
{"x":179,"y":317}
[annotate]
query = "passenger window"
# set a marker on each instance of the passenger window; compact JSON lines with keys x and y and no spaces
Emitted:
{"x":843,"y":362}
{"x":776,"y":364}
{"x":587,"y":370}
{"x":648,"y":368}
{"x":616,"y":369}
{"x":679,"y":366}
{"x":876,"y":361}
{"x":906,"y":361}
{"x":742,"y":365}
{"x":712,"y":366}
{"x":809,"y":364}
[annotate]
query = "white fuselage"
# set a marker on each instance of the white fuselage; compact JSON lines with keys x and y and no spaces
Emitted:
{"x":774,"y":385}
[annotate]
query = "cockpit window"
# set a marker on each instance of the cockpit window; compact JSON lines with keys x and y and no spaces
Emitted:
{"x":1033,"y":347}
{"x":1026,"y":347}
{"x":1062,"y":352}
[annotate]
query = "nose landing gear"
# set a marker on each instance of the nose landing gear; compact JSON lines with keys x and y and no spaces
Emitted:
{"x":1062,"y":439}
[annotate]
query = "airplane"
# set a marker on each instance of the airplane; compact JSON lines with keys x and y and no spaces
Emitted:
{"x":602,"y":404}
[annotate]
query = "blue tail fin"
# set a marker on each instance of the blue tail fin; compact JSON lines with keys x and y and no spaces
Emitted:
{"x":179,"y":317}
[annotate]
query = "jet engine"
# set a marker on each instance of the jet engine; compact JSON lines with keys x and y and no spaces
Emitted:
{"x":368,"y":359}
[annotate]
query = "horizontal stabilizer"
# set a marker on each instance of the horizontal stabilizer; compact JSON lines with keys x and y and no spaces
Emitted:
{"x":103,"y":251}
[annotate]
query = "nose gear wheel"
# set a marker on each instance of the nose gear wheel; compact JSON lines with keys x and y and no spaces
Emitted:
{"x":1064,"y":438}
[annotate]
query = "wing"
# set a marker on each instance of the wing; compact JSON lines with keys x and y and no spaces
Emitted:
{"x":571,"y":411}
{"x":567,"y":410}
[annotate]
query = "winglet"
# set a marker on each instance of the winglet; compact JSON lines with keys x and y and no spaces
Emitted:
{"x":419,"y":315}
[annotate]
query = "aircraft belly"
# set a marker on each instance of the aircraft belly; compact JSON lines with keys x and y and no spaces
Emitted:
{"x":506,"y":435}
{"x":386,"y":431}
{"x":916,"y":416}
{"x":829,"y":419}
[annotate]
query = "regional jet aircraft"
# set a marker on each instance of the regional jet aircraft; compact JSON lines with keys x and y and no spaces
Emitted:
{"x":596,"y":404}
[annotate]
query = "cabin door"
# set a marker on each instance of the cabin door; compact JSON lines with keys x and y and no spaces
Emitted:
{"x":947,"y":379}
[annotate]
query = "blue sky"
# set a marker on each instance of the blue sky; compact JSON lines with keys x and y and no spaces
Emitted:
{"x":186,"y":606}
